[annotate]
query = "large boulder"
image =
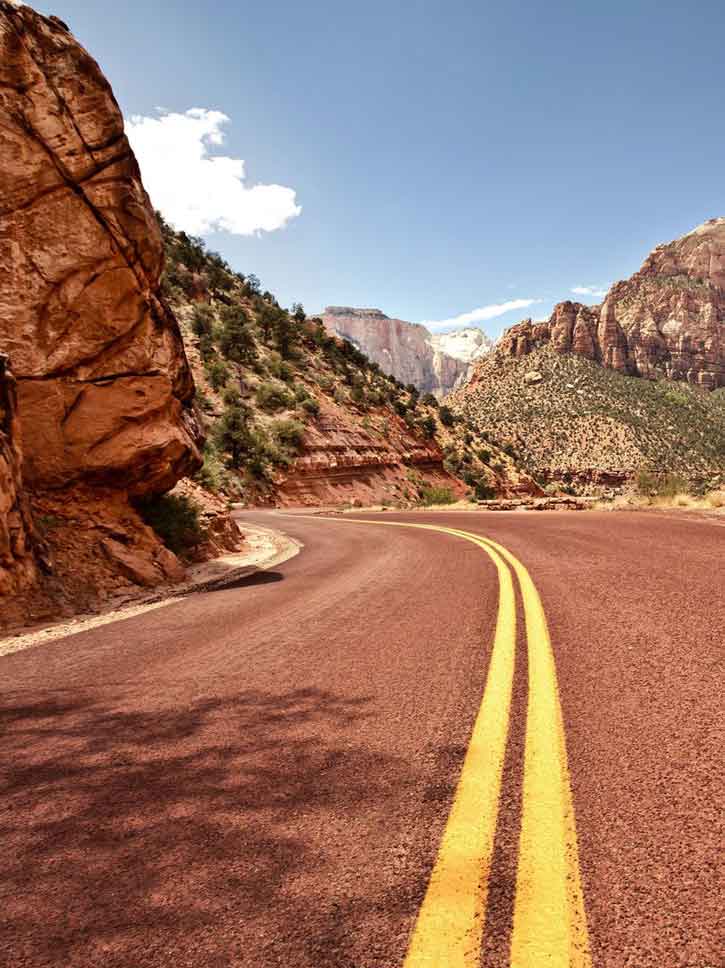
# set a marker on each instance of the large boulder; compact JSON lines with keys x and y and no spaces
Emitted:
{"x":104,"y":389}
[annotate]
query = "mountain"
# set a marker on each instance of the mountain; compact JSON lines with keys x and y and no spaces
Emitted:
{"x":667,"y":320}
{"x":408,"y":351}
{"x":596,"y":395}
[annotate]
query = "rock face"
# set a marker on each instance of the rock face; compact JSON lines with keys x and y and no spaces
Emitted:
{"x":468,"y":344}
{"x":102,"y":392}
{"x":17,"y":564}
{"x":667,"y":320}
{"x":344,"y":461}
{"x":103,"y":384}
{"x":407,"y":351}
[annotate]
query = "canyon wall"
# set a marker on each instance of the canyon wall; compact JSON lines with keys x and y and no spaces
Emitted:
{"x":667,"y":320}
{"x":403,"y":350}
{"x":103,"y":386}
{"x":18,"y":568}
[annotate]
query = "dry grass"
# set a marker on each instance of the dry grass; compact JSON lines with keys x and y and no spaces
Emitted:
{"x":712,"y":501}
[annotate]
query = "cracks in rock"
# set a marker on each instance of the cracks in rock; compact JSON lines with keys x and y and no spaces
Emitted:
{"x":96,"y":380}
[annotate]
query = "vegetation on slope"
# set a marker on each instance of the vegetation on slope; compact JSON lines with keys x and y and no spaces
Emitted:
{"x":581,"y":425}
{"x":264,"y":373}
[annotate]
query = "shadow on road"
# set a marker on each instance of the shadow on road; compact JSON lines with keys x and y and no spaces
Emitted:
{"x":154,"y":830}
{"x":246,"y":581}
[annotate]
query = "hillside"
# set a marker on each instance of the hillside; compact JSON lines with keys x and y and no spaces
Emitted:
{"x":577,"y":424}
{"x":294,"y":415}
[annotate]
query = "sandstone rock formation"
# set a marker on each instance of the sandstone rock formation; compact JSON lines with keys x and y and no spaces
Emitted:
{"x":667,"y":320}
{"x":407,"y":351}
{"x":103,"y":384}
{"x":17,"y":563}
{"x":344,"y":461}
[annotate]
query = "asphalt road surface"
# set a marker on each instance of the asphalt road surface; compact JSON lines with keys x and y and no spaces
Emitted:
{"x":381,"y":754}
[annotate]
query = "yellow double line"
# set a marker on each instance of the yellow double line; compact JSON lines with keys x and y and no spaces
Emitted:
{"x":549,"y":927}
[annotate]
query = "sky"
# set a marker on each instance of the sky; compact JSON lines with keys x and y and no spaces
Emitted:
{"x":459,"y":163}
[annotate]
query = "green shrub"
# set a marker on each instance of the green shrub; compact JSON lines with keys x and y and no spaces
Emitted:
{"x":289,"y":433}
{"x":218,"y":373}
{"x":325,"y":382}
{"x":236,"y":340}
{"x":278,"y":368}
{"x":483,"y":491}
{"x":202,"y":322}
{"x":174,"y":518}
{"x":273,"y":396}
{"x":430,"y":401}
{"x":207,"y":349}
{"x":447,"y":416}
{"x":311,"y":406}
{"x":428,"y":426}
{"x":432,"y":494}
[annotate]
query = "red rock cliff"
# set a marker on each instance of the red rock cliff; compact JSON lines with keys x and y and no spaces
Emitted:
{"x":667,"y":320}
{"x":103,"y":383}
{"x":17,"y":564}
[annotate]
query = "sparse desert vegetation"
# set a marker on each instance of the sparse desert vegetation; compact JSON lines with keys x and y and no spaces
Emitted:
{"x":585,"y":428}
{"x":273,"y":386}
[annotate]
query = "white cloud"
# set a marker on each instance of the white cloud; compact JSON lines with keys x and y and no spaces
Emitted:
{"x":596,"y":291}
{"x":481,"y":314}
{"x":199,"y":192}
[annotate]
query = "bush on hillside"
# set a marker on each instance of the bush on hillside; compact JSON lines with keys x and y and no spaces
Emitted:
{"x":218,"y":373}
{"x":446,"y":415}
{"x":289,"y":433}
{"x":174,"y":518}
{"x":236,"y":340}
{"x":273,"y":396}
{"x":432,"y":494}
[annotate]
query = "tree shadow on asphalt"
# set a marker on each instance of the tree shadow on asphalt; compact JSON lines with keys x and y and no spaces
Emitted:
{"x":150,"y":837}
{"x":247,"y":581}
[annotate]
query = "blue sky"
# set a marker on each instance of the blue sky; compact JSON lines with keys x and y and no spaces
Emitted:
{"x":445,"y":156}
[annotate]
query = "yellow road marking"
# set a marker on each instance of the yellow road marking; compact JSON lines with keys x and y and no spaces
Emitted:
{"x":550,"y":925}
{"x":549,"y":917}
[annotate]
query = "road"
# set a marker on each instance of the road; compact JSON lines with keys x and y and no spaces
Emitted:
{"x":316,"y":768}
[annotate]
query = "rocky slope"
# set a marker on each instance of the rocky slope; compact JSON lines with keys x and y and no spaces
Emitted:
{"x":104,"y":390}
{"x":297,"y":416}
{"x":407,"y":351}
{"x":578,"y":426}
{"x":667,"y":320}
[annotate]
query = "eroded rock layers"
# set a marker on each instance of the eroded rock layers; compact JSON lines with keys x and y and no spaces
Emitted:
{"x":667,"y":320}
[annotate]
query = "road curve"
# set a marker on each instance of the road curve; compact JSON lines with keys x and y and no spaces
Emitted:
{"x":264,"y":775}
